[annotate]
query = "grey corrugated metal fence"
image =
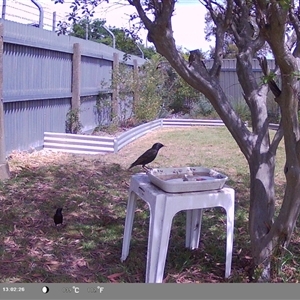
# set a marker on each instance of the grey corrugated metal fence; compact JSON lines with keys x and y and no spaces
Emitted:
{"x":38,"y":87}
{"x":229,"y":79}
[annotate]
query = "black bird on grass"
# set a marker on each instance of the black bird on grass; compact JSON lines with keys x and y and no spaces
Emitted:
{"x":58,"y":217}
{"x":148,"y":156}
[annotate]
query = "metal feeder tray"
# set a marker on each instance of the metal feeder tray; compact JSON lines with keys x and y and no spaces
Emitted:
{"x":186,"y":179}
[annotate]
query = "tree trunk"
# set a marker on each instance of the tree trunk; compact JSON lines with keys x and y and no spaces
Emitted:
{"x":266,"y":234}
{"x":268,"y":238}
{"x":262,"y":207}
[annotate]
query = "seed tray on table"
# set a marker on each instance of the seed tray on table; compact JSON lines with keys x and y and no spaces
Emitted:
{"x":187,"y":179}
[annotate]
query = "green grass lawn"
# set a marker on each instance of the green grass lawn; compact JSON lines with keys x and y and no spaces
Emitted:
{"x":92,"y":189}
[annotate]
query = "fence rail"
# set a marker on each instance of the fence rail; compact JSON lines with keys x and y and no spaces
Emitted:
{"x":273,"y":126}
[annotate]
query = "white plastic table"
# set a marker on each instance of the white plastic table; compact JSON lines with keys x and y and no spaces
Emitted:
{"x":163,"y":207}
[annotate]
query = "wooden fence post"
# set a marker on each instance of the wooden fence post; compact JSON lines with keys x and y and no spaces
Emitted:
{"x":4,"y":169}
{"x":136,"y":85}
{"x":76,"y":76}
{"x":115,"y":92}
{"x":73,"y":124}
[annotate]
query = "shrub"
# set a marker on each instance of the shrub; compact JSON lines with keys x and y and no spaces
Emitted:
{"x":73,"y":124}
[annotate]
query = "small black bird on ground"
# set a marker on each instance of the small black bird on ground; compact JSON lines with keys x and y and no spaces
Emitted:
{"x":148,"y":156}
{"x":58,"y":217}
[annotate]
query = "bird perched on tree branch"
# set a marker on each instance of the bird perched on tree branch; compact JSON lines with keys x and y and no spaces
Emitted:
{"x":58,"y":217}
{"x":148,"y":156}
{"x":191,"y":58}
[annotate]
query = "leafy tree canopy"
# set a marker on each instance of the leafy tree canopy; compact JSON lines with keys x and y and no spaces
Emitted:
{"x":95,"y":30}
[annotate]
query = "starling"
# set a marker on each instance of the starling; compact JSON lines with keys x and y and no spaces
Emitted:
{"x":148,"y":156}
{"x":192,"y":58}
{"x":58,"y":217}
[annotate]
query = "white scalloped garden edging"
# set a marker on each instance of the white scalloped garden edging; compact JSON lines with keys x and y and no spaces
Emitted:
{"x":87,"y":144}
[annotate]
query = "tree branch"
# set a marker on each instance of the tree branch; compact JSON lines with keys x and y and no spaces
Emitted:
{"x":222,"y":19}
{"x":295,"y":37}
{"x":147,"y":22}
{"x":197,"y":76}
{"x":276,"y":139}
{"x":271,"y":83}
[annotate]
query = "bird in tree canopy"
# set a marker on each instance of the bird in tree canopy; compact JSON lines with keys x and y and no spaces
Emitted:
{"x":191,"y":58}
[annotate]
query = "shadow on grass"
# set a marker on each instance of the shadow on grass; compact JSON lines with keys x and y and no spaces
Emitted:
{"x":87,"y":247}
